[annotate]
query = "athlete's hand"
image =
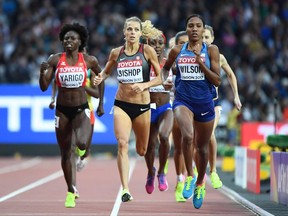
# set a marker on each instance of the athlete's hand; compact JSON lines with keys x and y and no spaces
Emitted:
{"x":52,"y":104}
{"x":168,"y":84}
{"x":237,"y":103}
{"x":196,"y":49}
{"x":43,"y":67}
{"x":100,"y":110}
{"x":138,"y":87}
{"x":98,"y":79}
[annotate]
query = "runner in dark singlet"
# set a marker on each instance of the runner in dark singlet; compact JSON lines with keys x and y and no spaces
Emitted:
{"x":132,"y":103}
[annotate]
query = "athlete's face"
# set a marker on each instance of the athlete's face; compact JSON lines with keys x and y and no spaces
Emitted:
{"x":182,"y":39}
{"x":158,"y":44}
{"x":71,"y":41}
{"x":132,"y":31}
{"x":195,"y":29}
{"x":207,"y":37}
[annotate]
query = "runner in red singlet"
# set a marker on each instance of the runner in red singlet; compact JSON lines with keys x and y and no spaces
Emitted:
{"x":72,"y":117}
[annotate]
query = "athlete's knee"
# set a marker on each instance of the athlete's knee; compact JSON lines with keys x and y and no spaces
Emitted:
{"x":202,"y":149}
{"x":164,"y":138}
{"x":122,"y":145}
{"x":141,"y":151}
{"x":178,"y":151}
{"x":188,"y":139}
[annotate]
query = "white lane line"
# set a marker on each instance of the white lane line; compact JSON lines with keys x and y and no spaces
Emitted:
{"x":118,"y":201}
{"x":24,"y":165}
{"x":32,"y":185}
{"x":244,"y":202}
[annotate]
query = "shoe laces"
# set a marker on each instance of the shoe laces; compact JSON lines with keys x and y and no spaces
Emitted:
{"x":214,"y":176}
{"x":150,"y":180}
{"x":188,"y":183}
{"x":162,"y":179}
{"x":199,"y":191}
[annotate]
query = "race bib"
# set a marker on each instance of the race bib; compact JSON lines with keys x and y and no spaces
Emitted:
{"x":130,"y":71}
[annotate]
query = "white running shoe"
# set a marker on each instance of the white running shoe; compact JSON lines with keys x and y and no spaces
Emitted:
{"x":80,"y":164}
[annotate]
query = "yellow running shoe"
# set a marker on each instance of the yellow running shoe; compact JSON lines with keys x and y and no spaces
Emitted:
{"x":70,"y":200}
{"x":178,"y":192}
{"x":215,"y":180}
{"x":166,"y":167}
{"x":80,"y":152}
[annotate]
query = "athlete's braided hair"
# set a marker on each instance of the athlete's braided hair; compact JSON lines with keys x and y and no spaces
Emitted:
{"x":80,"y":29}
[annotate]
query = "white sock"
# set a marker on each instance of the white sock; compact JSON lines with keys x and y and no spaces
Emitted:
{"x":180,"y":178}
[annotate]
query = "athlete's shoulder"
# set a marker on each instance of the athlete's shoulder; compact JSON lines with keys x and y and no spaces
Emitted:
{"x":54,"y":58}
{"x":55,"y":55}
{"x":88,"y":57}
{"x":213,"y":47}
{"x":147,"y":47}
{"x":176,"y":49}
{"x":116,"y":51}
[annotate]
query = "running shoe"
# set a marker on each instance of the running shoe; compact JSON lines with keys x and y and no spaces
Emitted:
{"x":215,"y":180}
{"x":126,"y":196}
{"x":81,"y":163}
{"x":70,"y":200}
{"x":199,"y":194}
{"x":76,"y":192}
{"x":162,"y":182}
{"x":150,"y":185}
{"x":80,"y":152}
{"x":189,"y":187}
{"x":178,"y":192}
{"x":166,"y":167}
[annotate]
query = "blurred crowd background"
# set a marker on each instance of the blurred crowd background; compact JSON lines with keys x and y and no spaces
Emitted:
{"x":252,"y":34}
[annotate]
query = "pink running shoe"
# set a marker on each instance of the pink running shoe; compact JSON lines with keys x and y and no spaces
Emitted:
{"x":150,"y":182}
{"x":162,"y":182}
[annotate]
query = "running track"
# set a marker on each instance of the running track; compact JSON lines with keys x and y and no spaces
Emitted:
{"x":36,"y":187}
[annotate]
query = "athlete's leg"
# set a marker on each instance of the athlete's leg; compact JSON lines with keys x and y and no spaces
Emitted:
{"x":122,"y":130}
{"x":184,"y":118}
{"x":141,"y":127}
{"x":152,"y":143}
{"x":203,"y":131}
{"x":213,"y":142}
{"x":178,"y":152}
{"x":165,"y":128}
{"x":64,"y":137}
{"x":150,"y":157}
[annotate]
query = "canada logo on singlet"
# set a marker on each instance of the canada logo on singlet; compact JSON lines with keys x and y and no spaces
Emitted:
{"x":130,"y":71}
